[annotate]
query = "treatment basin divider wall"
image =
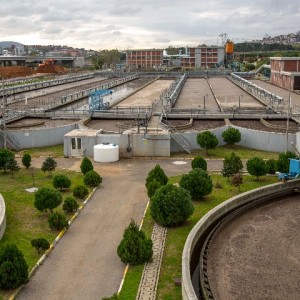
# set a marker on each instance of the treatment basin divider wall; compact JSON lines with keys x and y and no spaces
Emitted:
{"x":106,"y":152}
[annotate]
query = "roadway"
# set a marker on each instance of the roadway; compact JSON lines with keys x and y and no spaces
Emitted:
{"x":84,"y":264}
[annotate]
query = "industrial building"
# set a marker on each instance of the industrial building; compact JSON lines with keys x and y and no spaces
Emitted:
{"x":195,"y":57}
{"x":285,"y":72}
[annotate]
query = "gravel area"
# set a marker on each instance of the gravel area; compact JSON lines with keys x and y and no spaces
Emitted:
{"x":256,"y":255}
{"x":35,"y":123}
{"x":109,"y":125}
{"x":257,"y":125}
{"x":198,"y":124}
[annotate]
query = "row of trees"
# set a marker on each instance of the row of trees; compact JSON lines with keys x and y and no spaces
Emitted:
{"x":13,"y":266}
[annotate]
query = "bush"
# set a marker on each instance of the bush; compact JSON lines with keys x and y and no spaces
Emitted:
{"x":12,"y":166}
{"x":135,"y":248}
{"x":237,"y":179}
{"x":171,"y":205}
{"x":5,"y":155}
{"x":155,"y":179}
{"x":271,"y":166}
{"x":199,"y":162}
{"x":46,"y":198}
{"x":256,"y":167}
{"x":92,"y":178}
{"x":26,"y":160}
{"x":232,"y":164}
{"x":70,"y":205}
{"x":13,"y":267}
{"x":40,"y":245}
{"x":86,"y":165}
{"x":80,"y":191}
{"x":152,"y":187}
{"x":283,"y":162}
{"x":207,"y":140}
{"x":61,"y":181}
{"x":231,"y":136}
{"x":197,"y":182}
{"x":57,"y":221}
{"x":49,"y":165}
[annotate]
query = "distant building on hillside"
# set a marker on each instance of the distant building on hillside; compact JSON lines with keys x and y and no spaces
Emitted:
{"x":285,"y":72}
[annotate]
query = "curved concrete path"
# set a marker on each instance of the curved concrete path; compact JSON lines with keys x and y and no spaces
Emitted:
{"x":84,"y":264}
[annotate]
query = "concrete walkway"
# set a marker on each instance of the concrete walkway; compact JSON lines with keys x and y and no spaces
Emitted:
{"x":84,"y":264}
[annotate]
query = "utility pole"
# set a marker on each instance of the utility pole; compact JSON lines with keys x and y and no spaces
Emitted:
{"x":288,"y":123}
{"x":4,"y":115}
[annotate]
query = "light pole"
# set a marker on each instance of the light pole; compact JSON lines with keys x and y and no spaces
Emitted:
{"x":204,"y":102}
{"x":240,"y":97}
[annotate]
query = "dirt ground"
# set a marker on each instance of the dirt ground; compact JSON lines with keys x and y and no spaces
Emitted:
{"x":256,"y":255}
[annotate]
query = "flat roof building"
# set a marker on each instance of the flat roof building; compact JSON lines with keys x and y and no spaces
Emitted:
{"x":285,"y":72}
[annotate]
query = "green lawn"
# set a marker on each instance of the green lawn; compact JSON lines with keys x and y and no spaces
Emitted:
{"x":54,"y":151}
{"x":222,"y":151}
{"x":24,"y":221}
{"x":171,"y":264}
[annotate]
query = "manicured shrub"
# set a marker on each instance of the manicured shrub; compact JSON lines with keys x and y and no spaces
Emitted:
{"x":135,"y":248}
{"x":197,"y":182}
{"x":231,"y":136}
{"x":256,"y":167}
{"x":86,"y":165}
{"x":49,"y":165}
{"x":92,"y":178}
{"x":271,"y":166}
{"x":46,"y":198}
{"x":26,"y":160}
{"x":70,"y":205}
{"x":171,"y":205}
{"x":57,"y":221}
{"x":199,"y":162}
{"x":12,"y":166}
{"x":155,"y":179}
{"x":207,"y":140}
{"x":232,"y":164}
{"x":152,"y":187}
{"x":5,"y":155}
{"x":40,"y":245}
{"x":13,"y":267}
{"x":61,"y":182}
{"x":80,"y":191}
{"x":283,"y":162}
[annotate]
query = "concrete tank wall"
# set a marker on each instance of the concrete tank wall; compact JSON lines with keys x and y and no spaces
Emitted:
{"x":2,"y":217}
{"x":270,"y":191}
{"x":40,"y":137}
{"x":253,"y":139}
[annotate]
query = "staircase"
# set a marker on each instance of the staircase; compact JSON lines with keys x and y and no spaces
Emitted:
{"x":10,"y":139}
{"x":177,"y":136}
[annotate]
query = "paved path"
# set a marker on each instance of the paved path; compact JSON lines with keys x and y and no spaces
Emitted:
{"x":84,"y":264}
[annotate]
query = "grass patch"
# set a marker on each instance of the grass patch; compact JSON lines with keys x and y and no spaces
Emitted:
{"x":222,"y":151}
{"x":176,"y":237}
{"x":24,"y":221}
{"x":54,"y":151}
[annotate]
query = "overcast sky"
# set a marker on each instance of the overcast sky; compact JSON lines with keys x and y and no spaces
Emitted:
{"x":119,"y":24}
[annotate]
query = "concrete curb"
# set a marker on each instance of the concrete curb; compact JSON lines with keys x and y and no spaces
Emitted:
{"x":52,"y":246}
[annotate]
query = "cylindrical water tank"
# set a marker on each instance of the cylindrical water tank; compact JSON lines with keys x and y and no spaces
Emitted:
{"x":106,"y":152}
{"x":229,"y":47}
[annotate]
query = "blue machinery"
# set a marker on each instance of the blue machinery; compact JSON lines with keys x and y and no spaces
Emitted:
{"x":294,"y":169}
{"x":96,"y":100}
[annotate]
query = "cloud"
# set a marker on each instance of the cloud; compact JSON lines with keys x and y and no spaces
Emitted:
{"x":99,"y":24}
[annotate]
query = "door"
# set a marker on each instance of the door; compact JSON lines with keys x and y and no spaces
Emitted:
{"x":76,"y":147}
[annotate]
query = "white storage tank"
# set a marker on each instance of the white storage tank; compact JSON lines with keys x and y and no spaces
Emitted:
{"x":106,"y":152}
